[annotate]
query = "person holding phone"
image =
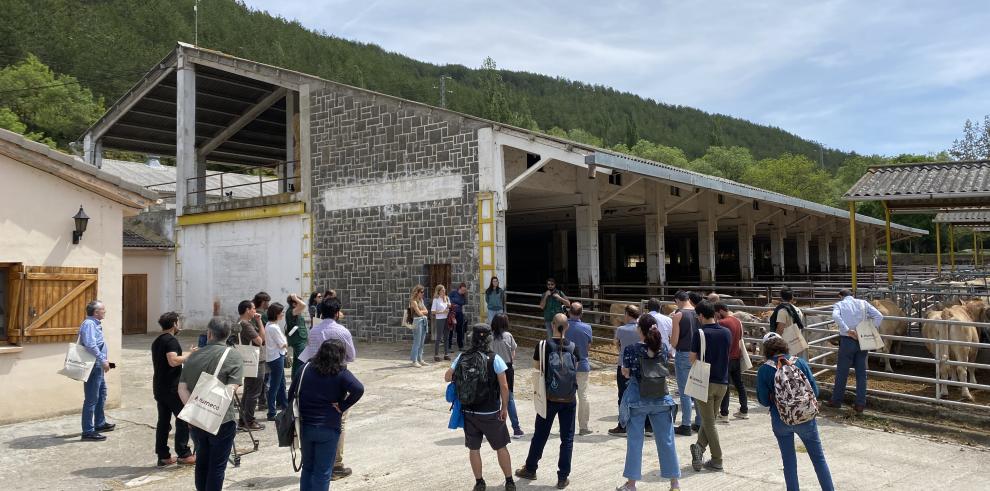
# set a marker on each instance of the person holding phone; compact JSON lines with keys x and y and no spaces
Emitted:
{"x":94,"y":422}
{"x":167,"y":360}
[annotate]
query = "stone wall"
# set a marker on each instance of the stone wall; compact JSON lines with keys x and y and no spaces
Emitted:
{"x":394,"y":188}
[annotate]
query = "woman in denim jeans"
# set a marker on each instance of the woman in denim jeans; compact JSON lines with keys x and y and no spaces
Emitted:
{"x":634,"y":409}
{"x":774,"y":347}
{"x":418,"y":314}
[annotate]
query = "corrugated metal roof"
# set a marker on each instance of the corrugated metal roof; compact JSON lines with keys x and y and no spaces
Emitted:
{"x":162,"y":180}
{"x":964,"y":217}
{"x":930,"y":181}
{"x":676,"y":174}
{"x":138,"y":235}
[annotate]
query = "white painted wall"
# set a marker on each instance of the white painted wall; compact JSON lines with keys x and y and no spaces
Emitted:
{"x":231,"y":261}
{"x":36,"y":230}
{"x":160,"y":268}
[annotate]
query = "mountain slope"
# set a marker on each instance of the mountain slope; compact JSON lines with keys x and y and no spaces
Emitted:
{"x":109,"y":44}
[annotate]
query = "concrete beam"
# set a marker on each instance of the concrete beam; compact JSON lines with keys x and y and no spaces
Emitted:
{"x":526,"y":173}
{"x":243,"y":120}
{"x":619,"y":191}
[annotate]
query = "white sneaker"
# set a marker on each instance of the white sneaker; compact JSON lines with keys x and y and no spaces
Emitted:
{"x":723,"y":420}
{"x":740,"y":415}
{"x":416,"y":364}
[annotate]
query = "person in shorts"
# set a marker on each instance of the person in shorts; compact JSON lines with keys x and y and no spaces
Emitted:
{"x":486,"y":419}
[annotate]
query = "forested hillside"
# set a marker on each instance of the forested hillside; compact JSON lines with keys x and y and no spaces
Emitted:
{"x":109,"y":44}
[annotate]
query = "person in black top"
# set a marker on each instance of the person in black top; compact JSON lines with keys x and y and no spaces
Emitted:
{"x":562,"y":407}
{"x":685,"y":323}
{"x":167,"y":359}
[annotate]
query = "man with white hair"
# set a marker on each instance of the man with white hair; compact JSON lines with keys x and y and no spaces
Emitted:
{"x":95,"y":388}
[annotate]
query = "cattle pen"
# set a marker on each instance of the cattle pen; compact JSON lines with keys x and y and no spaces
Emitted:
{"x":923,"y":364}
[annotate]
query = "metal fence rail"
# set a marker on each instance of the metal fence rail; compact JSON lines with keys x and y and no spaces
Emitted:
{"x":819,"y":351}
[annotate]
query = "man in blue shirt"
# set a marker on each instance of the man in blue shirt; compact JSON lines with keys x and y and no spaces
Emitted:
{"x":579,"y":333}
{"x":486,"y":419}
{"x":95,"y":387}
{"x":847,"y":314}
{"x":718,"y":340}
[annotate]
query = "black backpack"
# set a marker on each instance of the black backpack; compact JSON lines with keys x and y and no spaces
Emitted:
{"x":475,"y":379}
{"x":652,"y":377}
{"x":561,"y":372}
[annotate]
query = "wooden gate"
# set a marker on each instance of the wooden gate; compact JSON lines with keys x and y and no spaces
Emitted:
{"x":135,"y":304}
{"x":48,"y":303}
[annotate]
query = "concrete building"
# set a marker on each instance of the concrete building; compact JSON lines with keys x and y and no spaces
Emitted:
{"x":377,"y":194}
{"x":47,"y":276}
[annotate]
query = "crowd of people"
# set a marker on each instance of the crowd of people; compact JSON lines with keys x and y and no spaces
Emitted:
{"x":701,"y":341}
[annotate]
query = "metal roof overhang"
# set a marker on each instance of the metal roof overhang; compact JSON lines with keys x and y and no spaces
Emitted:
{"x":678,"y":176}
{"x":144,"y":119}
{"x":977,"y":218}
{"x":925,"y":187}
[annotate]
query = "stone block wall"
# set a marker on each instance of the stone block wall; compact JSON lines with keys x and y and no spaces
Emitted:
{"x":394,"y":188}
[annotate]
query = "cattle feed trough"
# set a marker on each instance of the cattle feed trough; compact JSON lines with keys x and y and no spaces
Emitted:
{"x":934,"y":360}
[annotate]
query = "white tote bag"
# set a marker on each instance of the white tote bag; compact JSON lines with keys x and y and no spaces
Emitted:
{"x":79,"y":363}
{"x":869,"y":336}
{"x":698,"y":377}
{"x":745,"y":363}
{"x":540,"y":384}
{"x":794,"y":339}
{"x":251,"y":355}
{"x":208,"y":403}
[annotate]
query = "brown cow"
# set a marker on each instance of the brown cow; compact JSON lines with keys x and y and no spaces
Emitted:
{"x":890,"y":327}
{"x":954,"y":352}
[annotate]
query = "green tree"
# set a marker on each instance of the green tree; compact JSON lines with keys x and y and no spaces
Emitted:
{"x":49,"y":103}
{"x":729,"y":162}
{"x":659,"y":153}
{"x":496,"y":105}
{"x":794,"y":175}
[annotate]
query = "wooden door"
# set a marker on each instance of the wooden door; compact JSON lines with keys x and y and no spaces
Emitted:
{"x":48,"y":303}
{"x":437,"y":274}
{"x":135,"y":304}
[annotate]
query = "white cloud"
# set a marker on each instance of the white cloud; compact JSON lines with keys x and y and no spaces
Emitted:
{"x":873,"y":76}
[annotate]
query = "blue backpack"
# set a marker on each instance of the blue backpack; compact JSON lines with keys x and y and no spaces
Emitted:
{"x":561,"y":372}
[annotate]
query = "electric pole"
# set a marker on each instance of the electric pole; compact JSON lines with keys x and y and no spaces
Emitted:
{"x":443,"y":90}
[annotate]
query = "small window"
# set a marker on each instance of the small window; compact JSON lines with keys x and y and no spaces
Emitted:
{"x":615,"y":178}
{"x":721,"y":199}
{"x":675,"y":191}
{"x":756,"y":205}
{"x":531,"y":160}
{"x":635,"y":260}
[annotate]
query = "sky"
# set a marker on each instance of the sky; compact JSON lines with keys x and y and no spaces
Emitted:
{"x":876,"y":77}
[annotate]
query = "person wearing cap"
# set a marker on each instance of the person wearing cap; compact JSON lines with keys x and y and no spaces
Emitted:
{"x":486,"y":419}
{"x":775,"y":348}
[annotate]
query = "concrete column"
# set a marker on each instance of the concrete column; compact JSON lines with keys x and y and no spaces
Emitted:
{"x":656,"y":222}
{"x":745,"y":232}
{"x":824,"y":257}
{"x":588,"y":214}
{"x":93,"y":151}
{"x":560,"y":250}
{"x":777,"y":250}
{"x":803,"y":253}
{"x":706,"y":246}
{"x":587,"y":249}
{"x":287,"y":173}
{"x":842,"y":251}
{"x":185,"y":133}
{"x":611,"y":259}
{"x":870,"y":250}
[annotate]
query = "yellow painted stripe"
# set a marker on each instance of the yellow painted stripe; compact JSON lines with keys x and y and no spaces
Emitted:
{"x":243,"y":214}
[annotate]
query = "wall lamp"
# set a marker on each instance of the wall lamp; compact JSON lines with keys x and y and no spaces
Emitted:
{"x":81,"y":221}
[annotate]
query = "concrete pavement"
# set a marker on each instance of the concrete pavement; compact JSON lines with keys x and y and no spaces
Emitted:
{"x":397,"y":440}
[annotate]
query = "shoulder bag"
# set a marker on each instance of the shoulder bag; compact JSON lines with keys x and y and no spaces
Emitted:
{"x":208,"y":403}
